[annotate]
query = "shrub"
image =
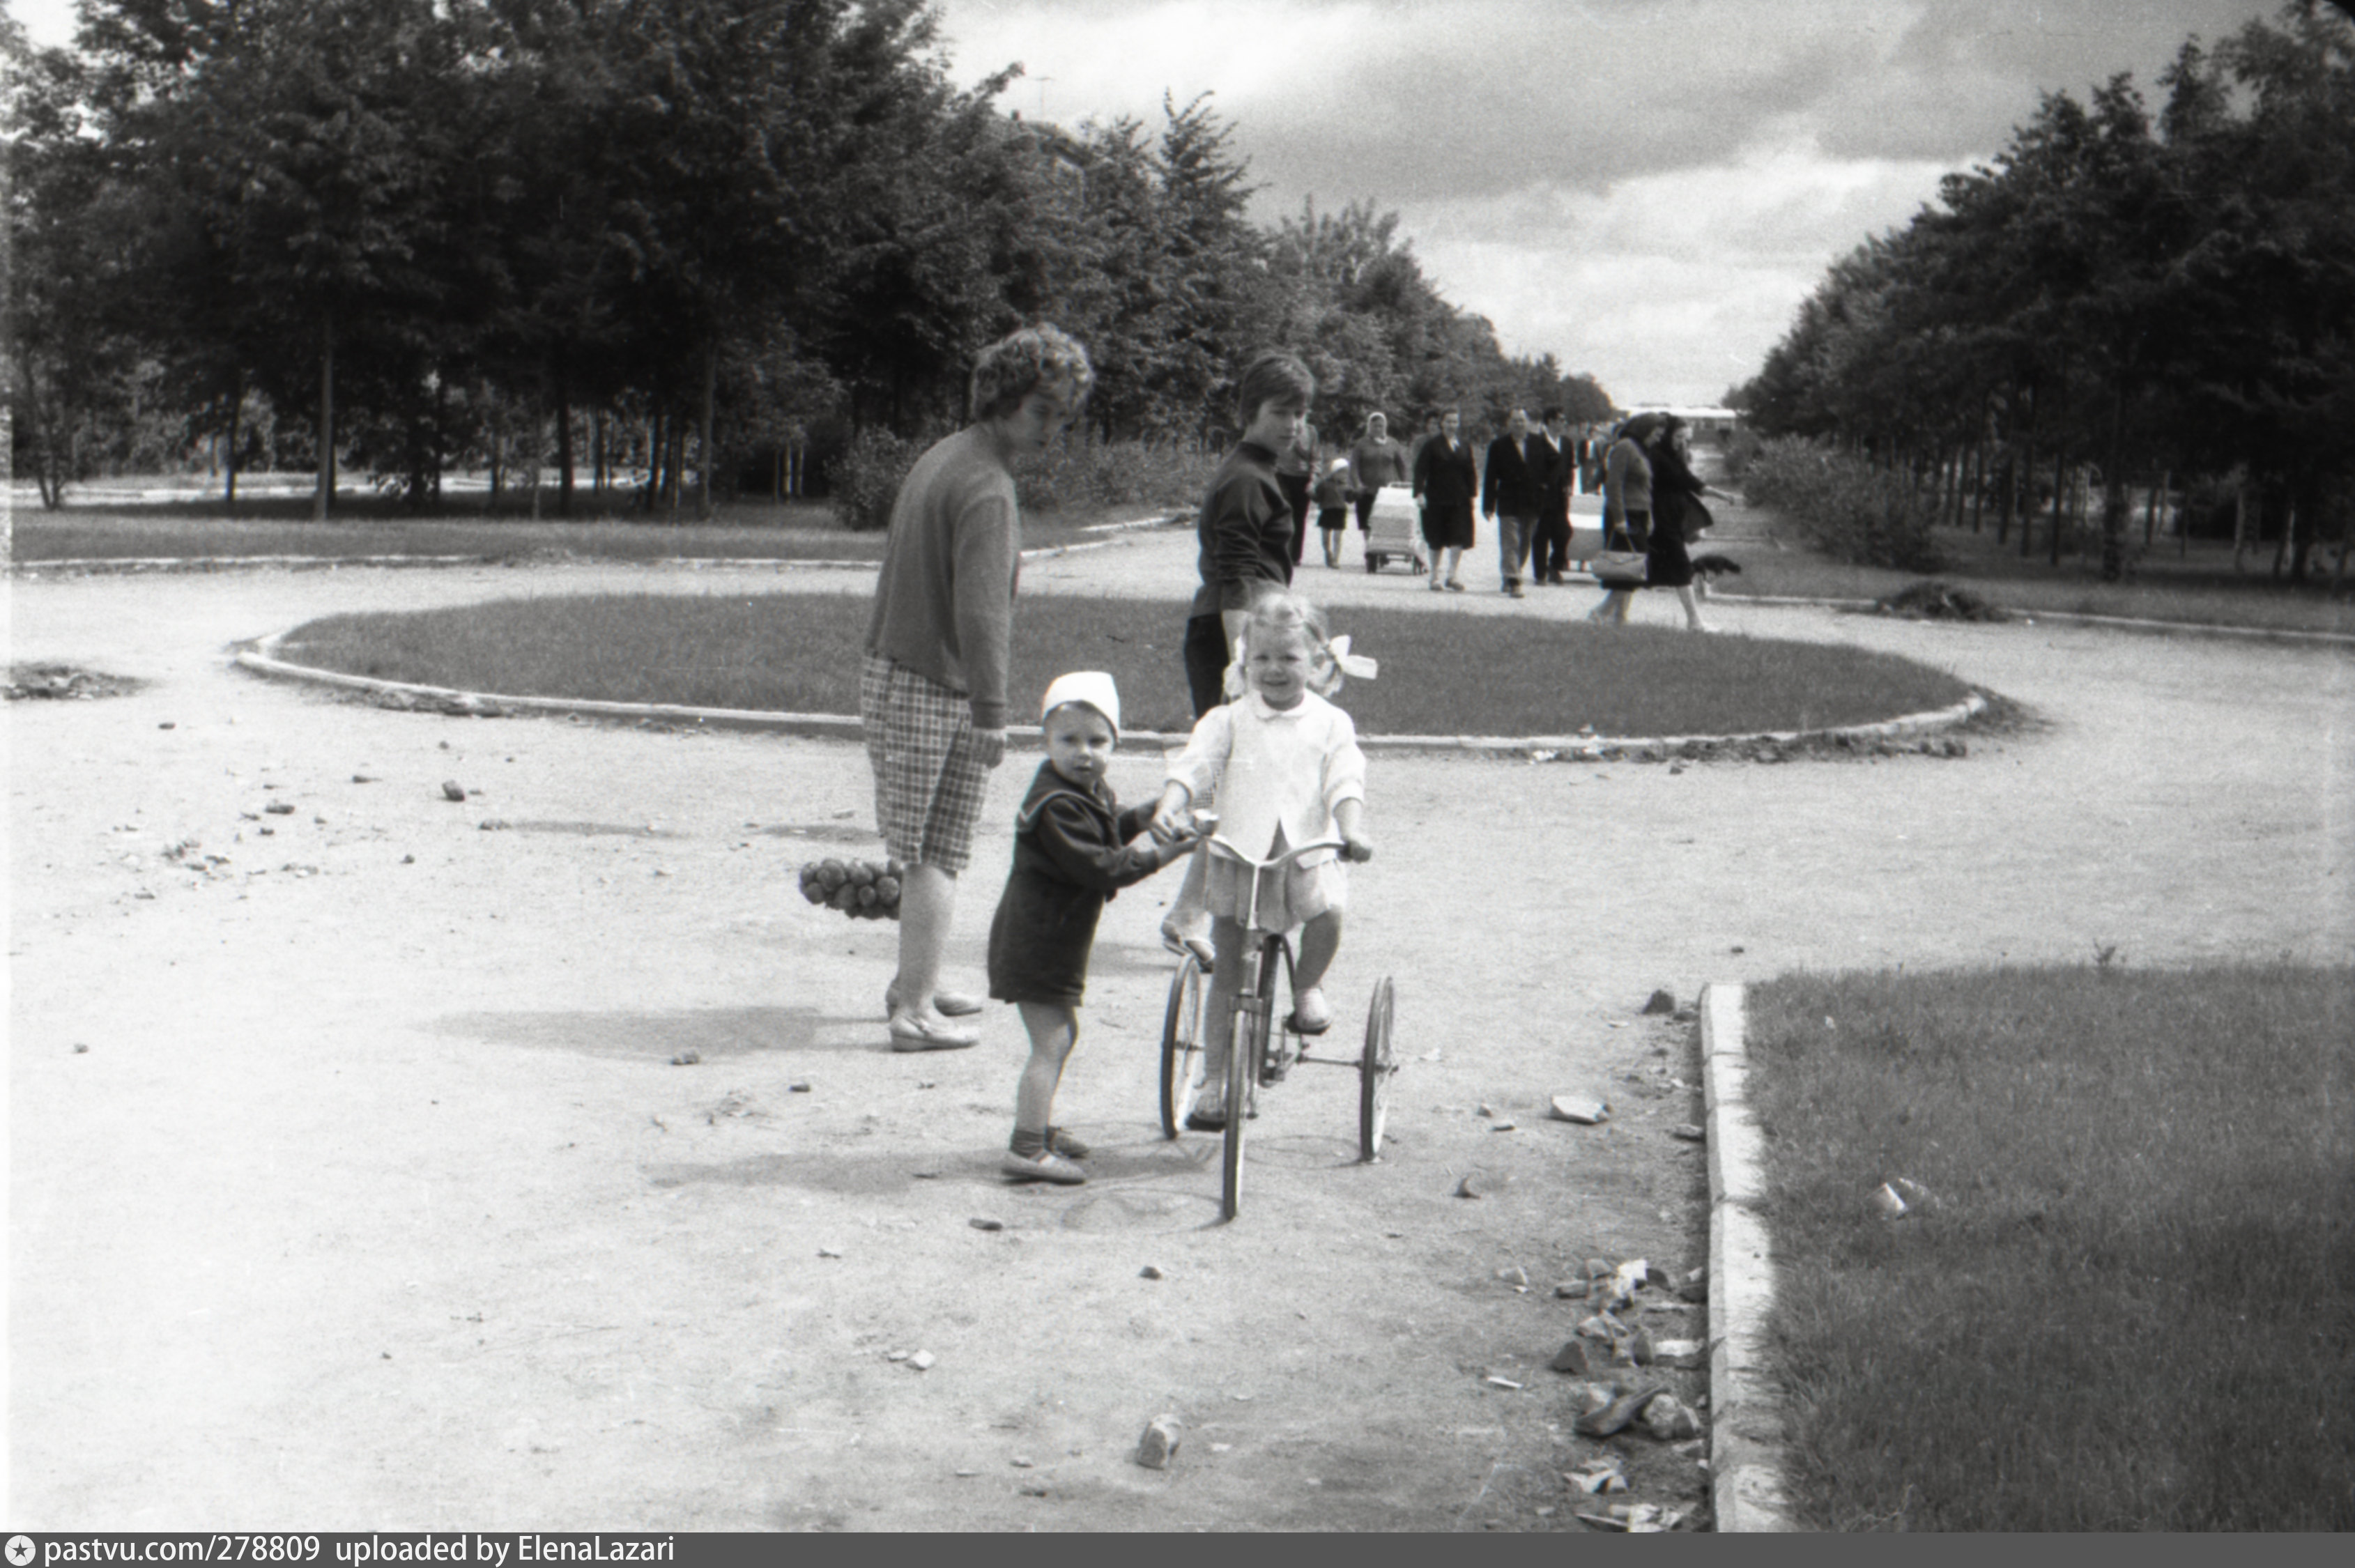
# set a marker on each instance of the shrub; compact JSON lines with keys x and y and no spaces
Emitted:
{"x":1080,"y":473}
{"x":1848,"y":508}
{"x":866,"y":477}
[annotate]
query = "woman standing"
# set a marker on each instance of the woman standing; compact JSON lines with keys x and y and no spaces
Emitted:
{"x":1677,"y":513}
{"x":932,"y":689}
{"x":1626,"y":510}
{"x":1375,"y":461}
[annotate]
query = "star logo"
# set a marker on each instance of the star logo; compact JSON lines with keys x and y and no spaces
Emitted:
{"x":20,"y":1551}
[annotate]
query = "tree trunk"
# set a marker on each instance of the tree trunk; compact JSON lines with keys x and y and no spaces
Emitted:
{"x":2240,"y":518}
{"x":711,"y":396}
{"x":564,"y":450}
{"x":676,"y":463}
{"x":2114,"y":495}
{"x":236,"y":433}
{"x":2061,"y":499}
{"x":325,"y":498}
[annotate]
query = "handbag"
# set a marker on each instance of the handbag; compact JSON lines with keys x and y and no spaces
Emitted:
{"x":1621,"y":568}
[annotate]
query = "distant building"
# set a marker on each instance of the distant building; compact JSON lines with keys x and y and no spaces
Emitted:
{"x":1708,"y":423}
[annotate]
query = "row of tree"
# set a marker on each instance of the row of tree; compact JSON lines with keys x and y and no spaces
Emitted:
{"x":2145,"y":300}
{"x":418,"y":234}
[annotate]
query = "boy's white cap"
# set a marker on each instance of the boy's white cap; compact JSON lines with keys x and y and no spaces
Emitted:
{"x":1338,"y":465}
{"x":1092,"y":688}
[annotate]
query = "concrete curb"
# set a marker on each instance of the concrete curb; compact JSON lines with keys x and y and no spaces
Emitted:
{"x":263,"y":659}
{"x":1745,"y":1441}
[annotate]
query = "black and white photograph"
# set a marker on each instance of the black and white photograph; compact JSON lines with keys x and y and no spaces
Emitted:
{"x":1360,"y":766}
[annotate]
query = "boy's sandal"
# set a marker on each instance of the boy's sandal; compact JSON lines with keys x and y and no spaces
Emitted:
{"x":1195,"y":947}
{"x":1064,"y":1144}
{"x":911,"y":1031}
{"x":1307,"y":1020}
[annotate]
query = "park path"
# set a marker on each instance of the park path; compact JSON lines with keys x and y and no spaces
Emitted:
{"x":351,"y":1184}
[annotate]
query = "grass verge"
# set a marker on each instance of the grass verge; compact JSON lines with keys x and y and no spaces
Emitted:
{"x":2129,"y":1301}
{"x":2199,"y":586}
{"x":1441,"y":674}
{"x":367,"y":525}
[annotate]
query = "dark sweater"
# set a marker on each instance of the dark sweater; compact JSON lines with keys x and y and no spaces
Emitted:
{"x":1245,"y":528}
{"x":1071,"y":853}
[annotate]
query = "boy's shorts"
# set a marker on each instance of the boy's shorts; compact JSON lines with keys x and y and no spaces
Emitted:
{"x":929,"y":780}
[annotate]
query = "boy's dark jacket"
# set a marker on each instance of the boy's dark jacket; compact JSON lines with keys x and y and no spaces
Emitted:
{"x":1071,"y":853}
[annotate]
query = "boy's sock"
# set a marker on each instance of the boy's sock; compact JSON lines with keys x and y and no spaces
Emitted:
{"x":1028,"y":1143}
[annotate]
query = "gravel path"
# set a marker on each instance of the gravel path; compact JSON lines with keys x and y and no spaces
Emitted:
{"x":352,"y":1185}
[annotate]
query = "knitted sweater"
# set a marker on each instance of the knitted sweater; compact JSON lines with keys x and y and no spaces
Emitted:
{"x":944,"y":599}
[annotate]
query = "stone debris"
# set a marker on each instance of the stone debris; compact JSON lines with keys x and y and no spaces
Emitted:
{"x":1616,"y":1416}
{"x":1666,"y":1418}
{"x":452,"y":790}
{"x":280,"y":808}
{"x":1661,"y":1001}
{"x":922,"y":1361}
{"x":1481,"y":1183}
{"x":1635,"y":1351}
{"x":1690,"y":1132}
{"x":1159,"y":1443}
{"x":1514,"y":1276}
{"x":829,"y":1251}
{"x":1572,"y":1289}
{"x":1915,"y":1195}
{"x":1886,"y":1203}
{"x":797,"y":1088}
{"x":1636,"y":1518}
{"x":1686,"y":1355}
{"x":1602,"y":1476}
{"x":896,"y":1355}
{"x":1695,"y":1287}
{"x":981,"y":1224}
{"x":687,"y":1059}
{"x":1576,"y":1358}
{"x":1575,"y":1108}
{"x":1151,"y":1271}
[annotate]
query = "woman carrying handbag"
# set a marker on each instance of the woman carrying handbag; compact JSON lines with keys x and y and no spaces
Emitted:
{"x":1626,"y":522}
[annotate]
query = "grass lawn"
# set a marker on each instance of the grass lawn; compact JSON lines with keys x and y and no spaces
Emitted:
{"x":366,"y":525}
{"x":2199,"y":586}
{"x":2130,"y":1304}
{"x":1441,"y":674}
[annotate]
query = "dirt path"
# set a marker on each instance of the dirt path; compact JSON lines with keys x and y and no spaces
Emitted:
{"x":374,"y":1201}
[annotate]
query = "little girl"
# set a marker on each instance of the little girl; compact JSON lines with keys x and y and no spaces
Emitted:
{"x":1073,"y":850}
{"x":1287,"y":770}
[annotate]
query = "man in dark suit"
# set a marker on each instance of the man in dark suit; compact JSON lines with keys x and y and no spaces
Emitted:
{"x":1446,"y":480}
{"x":1509,"y":488}
{"x":1559,"y":473}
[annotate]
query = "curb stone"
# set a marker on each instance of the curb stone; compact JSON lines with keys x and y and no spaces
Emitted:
{"x":1746,"y":1442}
{"x":261,"y":656}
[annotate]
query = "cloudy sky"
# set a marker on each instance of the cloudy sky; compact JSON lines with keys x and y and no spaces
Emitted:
{"x":1644,"y":189}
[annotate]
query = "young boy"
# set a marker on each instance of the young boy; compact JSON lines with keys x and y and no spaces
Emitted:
{"x":1073,"y":850}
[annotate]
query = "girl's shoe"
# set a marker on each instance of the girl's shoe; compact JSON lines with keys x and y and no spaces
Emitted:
{"x":1062,"y":1143}
{"x":1044,"y":1165}
{"x":1208,"y":1116}
{"x":1196,"y":947}
{"x":1309,"y":1013}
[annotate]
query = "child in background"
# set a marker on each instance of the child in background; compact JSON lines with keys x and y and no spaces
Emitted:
{"x":1287,"y":770}
{"x":1333,"y":508}
{"x":1072,"y":851}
